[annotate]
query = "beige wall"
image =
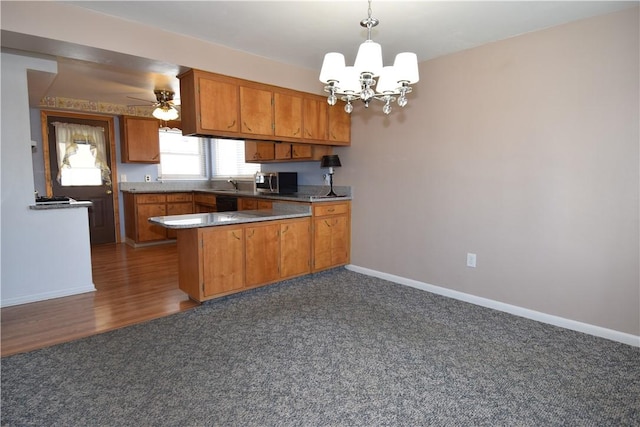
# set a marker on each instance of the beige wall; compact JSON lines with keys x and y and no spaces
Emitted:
{"x":525,"y":152}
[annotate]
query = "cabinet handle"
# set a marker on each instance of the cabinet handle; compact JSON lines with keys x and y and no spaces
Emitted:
{"x":233,"y":233}
{"x":231,"y":125}
{"x":247,"y":126}
{"x":327,"y":222}
{"x":155,"y":157}
{"x":308,"y":133}
{"x":296,"y":132}
{"x":252,"y":233}
{"x":286,"y":228}
{"x":331,"y":210}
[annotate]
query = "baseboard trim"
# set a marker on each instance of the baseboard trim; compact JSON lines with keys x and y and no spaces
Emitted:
{"x":47,"y":295}
{"x":573,"y":325}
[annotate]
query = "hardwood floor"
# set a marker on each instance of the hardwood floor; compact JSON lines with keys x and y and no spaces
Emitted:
{"x":133,"y":286}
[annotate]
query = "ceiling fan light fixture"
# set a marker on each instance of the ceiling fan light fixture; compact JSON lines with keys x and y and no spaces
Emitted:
{"x":165,"y":112}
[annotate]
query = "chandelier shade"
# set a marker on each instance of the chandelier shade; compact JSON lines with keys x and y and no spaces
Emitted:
{"x":332,"y":67}
{"x":369,"y":59}
{"x":349,"y":83}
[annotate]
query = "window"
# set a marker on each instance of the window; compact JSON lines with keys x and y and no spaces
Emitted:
{"x":228,"y":159}
{"x":181,"y":157}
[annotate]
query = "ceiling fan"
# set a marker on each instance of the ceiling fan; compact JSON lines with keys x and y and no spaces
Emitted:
{"x":165,"y":105}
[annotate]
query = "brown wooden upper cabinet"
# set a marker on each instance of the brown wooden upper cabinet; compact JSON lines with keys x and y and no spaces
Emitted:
{"x":256,"y":111}
{"x":210,"y":104}
{"x":140,"y":139}
{"x":287,"y":115}
{"x":339,"y":125}
{"x":315,"y":119}
{"x":222,"y":106}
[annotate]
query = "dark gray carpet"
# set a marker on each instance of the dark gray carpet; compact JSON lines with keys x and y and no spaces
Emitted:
{"x":336,"y":348}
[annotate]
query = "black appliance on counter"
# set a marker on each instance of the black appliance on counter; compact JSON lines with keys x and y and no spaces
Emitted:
{"x":276,"y":182}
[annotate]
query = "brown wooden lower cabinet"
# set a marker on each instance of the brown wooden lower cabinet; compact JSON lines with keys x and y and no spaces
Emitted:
{"x":138,"y":208}
{"x":217,"y":261}
{"x":331,"y":235}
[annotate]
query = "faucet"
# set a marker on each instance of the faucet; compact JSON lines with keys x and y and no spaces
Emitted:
{"x":234,"y":183}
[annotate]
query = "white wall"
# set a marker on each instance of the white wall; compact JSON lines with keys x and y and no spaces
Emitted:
{"x":44,"y":254}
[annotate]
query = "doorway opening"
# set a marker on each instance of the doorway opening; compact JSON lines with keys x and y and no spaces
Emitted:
{"x":79,"y":161}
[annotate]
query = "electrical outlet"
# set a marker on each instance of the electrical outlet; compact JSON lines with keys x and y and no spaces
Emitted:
{"x":147,"y":178}
{"x":471,"y":260}
{"x":123,"y":178}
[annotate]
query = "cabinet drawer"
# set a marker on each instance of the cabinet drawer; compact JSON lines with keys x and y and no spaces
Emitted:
{"x":205,"y":199}
{"x":151,"y":198}
{"x":337,"y":209}
{"x":179,"y":197}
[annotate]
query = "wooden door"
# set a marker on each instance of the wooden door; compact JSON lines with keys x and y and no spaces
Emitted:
{"x":140,"y":139}
{"x":256,"y":111}
{"x":219,"y":103}
{"x":295,"y":247}
{"x":256,"y":151}
{"x":322,"y":243}
{"x":339,"y":125}
{"x":262,"y":254}
{"x":315,"y":119}
{"x":287,"y":115}
{"x":222,"y":260}
{"x":339,"y":240}
{"x":102,"y":219}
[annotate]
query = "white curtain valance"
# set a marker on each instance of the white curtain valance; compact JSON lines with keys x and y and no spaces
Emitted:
{"x":69,"y":135}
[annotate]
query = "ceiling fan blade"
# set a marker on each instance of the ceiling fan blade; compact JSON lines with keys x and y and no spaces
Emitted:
{"x":144,"y":100}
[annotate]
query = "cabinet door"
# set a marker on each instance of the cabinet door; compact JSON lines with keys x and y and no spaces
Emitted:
{"x":339,"y":125}
{"x":315,"y":119}
{"x":287,"y":115}
{"x":177,"y":209}
{"x":256,"y":111}
{"x":339,"y":240}
{"x":295,"y":248}
{"x":218,"y":105}
{"x":262,"y":254}
{"x":148,"y":232}
{"x":257,"y":151}
{"x":301,"y":151}
{"x":140,"y":140}
{"x":222,"y":260}
{"x":265,"y":204}
{"x":283,"y":151}
{"x":247,"y":204}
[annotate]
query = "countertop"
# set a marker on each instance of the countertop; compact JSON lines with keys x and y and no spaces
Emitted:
{"x":294,"y":197}
{"x":279,"y":211}
{"x":62,"y":205}
{"x":311,"y":194}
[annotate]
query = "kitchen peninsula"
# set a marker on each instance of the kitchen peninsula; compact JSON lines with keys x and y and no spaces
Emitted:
{"x":221,"y":253}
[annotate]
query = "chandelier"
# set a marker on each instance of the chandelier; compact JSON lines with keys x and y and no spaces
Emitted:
{"x":358,"y":81}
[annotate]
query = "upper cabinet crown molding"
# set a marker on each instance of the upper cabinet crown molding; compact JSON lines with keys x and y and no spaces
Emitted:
{"x":221,"y":106}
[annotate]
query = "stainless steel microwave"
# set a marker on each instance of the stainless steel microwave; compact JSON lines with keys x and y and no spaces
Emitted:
{"x":276,"y":182}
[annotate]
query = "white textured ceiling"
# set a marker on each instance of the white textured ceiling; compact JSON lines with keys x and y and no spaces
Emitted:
{"x":301,"y":32}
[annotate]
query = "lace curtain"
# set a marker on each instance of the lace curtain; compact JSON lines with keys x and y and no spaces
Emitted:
{"x":69,"y":135}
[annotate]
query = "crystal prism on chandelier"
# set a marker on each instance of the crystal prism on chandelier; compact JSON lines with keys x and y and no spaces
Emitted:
{"x":358,"y":81}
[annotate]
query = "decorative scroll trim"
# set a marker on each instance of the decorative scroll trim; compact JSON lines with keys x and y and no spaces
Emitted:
{"x":95,"y":107}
